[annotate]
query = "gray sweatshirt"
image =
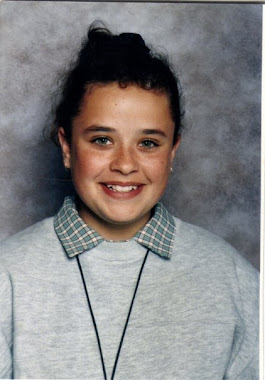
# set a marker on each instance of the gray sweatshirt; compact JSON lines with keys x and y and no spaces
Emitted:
{"x":195,"y":316}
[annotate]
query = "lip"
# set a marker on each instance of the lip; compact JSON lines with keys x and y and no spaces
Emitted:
{"x":119,"y":183}
{"x":122,"y":196}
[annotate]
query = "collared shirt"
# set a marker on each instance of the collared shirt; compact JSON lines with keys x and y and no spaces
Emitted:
{"x":77,"y":237}
{"x":202,"y":304}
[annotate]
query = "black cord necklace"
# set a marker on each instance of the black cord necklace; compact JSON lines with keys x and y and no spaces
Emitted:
{"x":94,"y":320}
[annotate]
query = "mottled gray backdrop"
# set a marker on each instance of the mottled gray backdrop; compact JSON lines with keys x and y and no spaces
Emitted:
{"x":216,"y":51}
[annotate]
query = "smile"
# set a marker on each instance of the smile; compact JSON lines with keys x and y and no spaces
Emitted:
{"x":121,"y":189}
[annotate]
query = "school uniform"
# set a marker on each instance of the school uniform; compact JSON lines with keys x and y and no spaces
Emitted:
{"x":194,"y":314}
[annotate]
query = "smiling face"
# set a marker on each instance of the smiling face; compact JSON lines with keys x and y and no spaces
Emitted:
{"x":120,"y":156}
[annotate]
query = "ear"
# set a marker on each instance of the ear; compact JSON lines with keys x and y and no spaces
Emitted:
{"x":174,"y":149}
{"x":66,"y":149}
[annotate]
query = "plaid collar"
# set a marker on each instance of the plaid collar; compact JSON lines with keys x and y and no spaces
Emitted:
{"x":76,"y":236}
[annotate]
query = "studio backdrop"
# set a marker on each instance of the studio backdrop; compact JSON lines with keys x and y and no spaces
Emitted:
{"x":215,"y":50}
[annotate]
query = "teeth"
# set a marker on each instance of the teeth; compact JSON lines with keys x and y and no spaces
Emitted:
{"x":122,"y":189}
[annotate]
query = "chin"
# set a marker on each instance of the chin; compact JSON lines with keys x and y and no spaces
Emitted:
{"x":126,"y":219}
{"x":122,"y":221}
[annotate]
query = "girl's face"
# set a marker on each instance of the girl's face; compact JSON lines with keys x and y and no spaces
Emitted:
{"x":120,"y":157}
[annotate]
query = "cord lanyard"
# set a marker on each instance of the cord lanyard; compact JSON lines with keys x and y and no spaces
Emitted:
{"x":126,"y":323}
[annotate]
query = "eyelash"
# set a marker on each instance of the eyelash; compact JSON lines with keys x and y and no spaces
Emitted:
{"x":99,"y":141}
{"x":104,"y":141}
{"x":154,"y":144}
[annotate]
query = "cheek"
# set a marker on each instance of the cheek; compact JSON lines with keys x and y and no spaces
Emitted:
{"x":158,"y":168}
{"x":86,"y":164}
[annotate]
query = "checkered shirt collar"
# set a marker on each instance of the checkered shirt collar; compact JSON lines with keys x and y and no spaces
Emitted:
{"x":77,"y":237}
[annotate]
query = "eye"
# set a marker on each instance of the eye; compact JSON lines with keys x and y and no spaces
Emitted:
{"x":148,"y":144}
{"x":101,"y":141}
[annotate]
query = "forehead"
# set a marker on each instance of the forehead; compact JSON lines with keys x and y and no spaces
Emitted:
{"x":113,"y":104}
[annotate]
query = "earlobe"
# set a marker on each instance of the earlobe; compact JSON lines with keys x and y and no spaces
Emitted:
{"x":66,"y":150}
{"x":175,"y":148}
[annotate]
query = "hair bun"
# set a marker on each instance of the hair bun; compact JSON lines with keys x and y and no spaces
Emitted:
{"x":133,"y":40}
{"x":98,"y":37}
{"x":125,"y":44}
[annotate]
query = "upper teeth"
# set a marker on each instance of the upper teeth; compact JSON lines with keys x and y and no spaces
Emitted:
{"x":122,"y":189}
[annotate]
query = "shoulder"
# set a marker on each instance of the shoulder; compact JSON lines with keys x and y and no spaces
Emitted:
{"x":38,"y":238}
{"x":207,"y":251}
{"x":216,"y":277}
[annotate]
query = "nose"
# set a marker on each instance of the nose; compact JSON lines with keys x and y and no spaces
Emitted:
{"x":124,"y":160}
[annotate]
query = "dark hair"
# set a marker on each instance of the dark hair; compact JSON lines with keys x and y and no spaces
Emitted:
{"x":105,"y":58}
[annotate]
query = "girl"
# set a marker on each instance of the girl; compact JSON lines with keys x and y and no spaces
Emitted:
{"x":114,"y":285}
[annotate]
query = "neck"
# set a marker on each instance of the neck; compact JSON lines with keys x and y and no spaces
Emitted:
{"x":115,"y":232}
{"x":110,"y":230}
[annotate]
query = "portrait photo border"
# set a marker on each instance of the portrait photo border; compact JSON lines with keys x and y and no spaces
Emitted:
{"x":262,"y":167}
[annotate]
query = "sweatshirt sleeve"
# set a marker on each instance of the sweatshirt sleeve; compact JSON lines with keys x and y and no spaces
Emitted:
{"x":5,"y":325}
{"x":244,"y":363}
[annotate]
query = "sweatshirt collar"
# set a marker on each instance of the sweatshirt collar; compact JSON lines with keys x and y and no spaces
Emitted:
{"x":77,"y":237}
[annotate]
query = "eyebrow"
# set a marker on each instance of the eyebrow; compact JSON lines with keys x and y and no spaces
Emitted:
{"x":153,"y":132}
{"x":101,"y":128}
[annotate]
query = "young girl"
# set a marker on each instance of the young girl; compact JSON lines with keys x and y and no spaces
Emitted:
{"x":114,"y":286}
